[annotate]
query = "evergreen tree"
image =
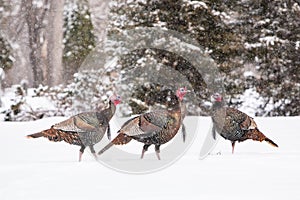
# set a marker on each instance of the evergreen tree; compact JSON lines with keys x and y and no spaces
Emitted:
{"x":6,"y":58}
{"x":196,"y":19}
{"x":254,"y":43}
{"x":79,"y":39}
{"x":271,"y":31}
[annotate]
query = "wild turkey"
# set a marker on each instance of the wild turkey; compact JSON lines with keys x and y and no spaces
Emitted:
{"x":83,"y":129}
{"x":157,"y":127}
{"x":234,"y":125}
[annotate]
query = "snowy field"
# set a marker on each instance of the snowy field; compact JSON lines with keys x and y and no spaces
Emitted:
{"x":36,"y":169}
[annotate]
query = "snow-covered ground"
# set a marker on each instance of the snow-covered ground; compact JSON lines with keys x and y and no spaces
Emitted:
{"x":36,"y":169}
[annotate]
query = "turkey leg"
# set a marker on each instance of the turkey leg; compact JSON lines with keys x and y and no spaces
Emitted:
{"x":157,"y":151}
{"x":232,"y":144}
{"x":145,"y":148}
{"x":81,"y":152}
{"x":93,"y":151}
{"x":108,"y":132}
{"x":183,"y":132}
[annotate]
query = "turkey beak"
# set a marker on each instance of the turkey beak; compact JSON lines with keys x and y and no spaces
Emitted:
{"x":212,"y":98}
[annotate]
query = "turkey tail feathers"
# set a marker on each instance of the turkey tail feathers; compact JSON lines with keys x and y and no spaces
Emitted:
{"x":105,"y":148}
{"x":119,"y":140}
{"x":256,"y":135}
{"x":35,"y":135}
{"x":271,"y":142}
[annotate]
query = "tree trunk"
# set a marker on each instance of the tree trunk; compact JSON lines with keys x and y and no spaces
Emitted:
{"x":54,"y":37}
{"x":34,"y":52}
{"x":34,"y":19}
{"x":100,"y":10}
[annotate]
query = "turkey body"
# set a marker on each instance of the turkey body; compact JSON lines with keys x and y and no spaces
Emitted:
{"x":84,"y":129}
{"x":152,"y":128}
{"x":235,"y":125}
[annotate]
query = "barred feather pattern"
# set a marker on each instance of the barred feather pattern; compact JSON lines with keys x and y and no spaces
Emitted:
{"x":121,"y":139}
{"x":58,"y":136}
{"x":88,"y":127}
{"x":256,"y":135}
{"x":84,"y":129}
{"x":131,"y":127}
{"x":91,"y":138}
{"x":157,"y":127}
{"x":231,"y":123}
{"x":235,"y":125}
{"x":165,"y":134}
{"x":169,"y":126}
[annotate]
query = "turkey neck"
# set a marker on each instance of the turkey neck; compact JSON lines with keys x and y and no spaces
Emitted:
{"x":218,"y":105}
{"x":108,"y":112}
{"x":175,"y":112}
{"x":218,"y":112}
{"x":183,"y":110}
{"x":176,"y":108}
{"x":172,"y":128}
